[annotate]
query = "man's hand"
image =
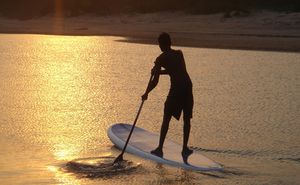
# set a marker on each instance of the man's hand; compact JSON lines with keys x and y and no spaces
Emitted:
{"x":145,"y":96}
{"x":155,"y":70}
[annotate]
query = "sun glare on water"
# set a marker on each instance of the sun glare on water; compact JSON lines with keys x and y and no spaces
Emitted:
{"x":63,"y":79}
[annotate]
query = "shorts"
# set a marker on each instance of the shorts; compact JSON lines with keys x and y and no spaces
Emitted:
{"x":174,"y":105}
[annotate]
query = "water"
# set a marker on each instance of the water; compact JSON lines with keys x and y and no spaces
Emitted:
{"x":59,"y":94}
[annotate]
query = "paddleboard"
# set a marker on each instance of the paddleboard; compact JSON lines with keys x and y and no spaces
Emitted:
{"x":143,"y":141}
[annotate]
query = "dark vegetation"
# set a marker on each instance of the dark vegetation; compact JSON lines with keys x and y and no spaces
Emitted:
{"x":26,"y":9}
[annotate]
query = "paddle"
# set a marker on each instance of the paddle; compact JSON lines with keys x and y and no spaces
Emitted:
{"x":120,"y":157}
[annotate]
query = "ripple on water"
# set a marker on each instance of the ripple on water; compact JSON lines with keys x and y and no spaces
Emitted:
{"x":100,"y":167}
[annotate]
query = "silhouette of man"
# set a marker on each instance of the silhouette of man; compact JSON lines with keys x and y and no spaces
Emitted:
{"x":180,"y":97}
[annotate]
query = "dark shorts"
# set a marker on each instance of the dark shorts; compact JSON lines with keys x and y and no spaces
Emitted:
{"x":174,"y":105}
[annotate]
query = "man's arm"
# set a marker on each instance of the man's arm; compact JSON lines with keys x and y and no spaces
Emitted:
{"x":163,"y":72}
{"x":155,"y":72}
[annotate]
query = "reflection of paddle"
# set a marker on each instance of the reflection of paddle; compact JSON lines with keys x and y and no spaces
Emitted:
{"x":120,"y":157}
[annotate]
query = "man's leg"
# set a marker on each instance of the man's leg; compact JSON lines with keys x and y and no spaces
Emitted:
{"x":186,"y":131}
{"x":163,"y":133}
{"x":186,"y":135}
{"x":164,"y":130}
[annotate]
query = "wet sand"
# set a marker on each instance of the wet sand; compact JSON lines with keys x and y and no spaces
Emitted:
{"x":257,"y":31}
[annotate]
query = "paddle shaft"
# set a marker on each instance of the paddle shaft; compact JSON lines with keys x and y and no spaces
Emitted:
{"x":120,"y":157}
{"x":132,"y":128}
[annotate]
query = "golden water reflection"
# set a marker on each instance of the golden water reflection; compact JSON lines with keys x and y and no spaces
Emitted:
{"x":63,"y":92}
{"x":63,"y":177}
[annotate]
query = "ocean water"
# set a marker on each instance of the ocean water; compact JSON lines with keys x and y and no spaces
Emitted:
{"x":59,"y":94}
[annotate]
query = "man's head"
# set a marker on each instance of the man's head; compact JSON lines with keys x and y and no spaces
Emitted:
{"x":164,"y":41}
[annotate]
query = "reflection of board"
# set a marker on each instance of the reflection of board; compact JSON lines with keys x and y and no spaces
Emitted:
{"x":142,"y":142}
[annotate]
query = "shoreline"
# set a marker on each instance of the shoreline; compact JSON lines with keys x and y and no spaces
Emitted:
{"x":269,"y":31}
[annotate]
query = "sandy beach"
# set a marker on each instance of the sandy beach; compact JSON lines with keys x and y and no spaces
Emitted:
{"x":263,"y":30}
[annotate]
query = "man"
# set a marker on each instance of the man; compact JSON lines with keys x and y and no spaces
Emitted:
{"x":180,"y":97}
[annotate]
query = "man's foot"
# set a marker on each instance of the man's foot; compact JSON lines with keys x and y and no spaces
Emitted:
{"x":186,"y":152}
{"x":158,"y":152}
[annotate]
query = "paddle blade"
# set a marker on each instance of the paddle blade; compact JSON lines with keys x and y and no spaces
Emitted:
{"x":119,"y":159}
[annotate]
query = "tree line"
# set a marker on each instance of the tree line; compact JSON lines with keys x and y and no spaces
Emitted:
{"x":36,"y":8}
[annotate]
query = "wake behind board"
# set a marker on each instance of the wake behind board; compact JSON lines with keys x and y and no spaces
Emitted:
{"x":143,"y":141}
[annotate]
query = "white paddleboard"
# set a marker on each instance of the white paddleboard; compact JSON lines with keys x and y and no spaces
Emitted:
{"x":143,"y":141}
